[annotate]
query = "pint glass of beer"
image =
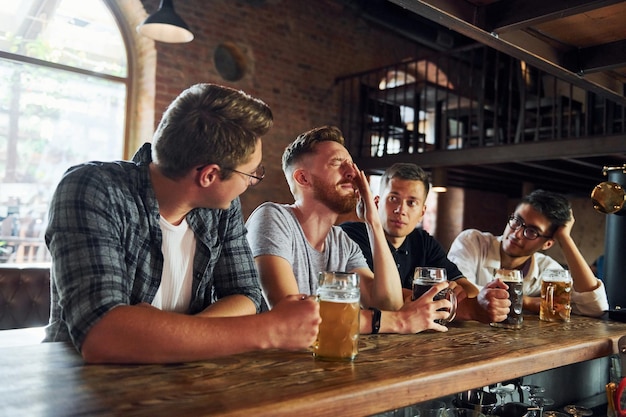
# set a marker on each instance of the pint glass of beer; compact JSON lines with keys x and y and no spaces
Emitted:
{"x":556,"y":292}
{"x":339,"y":297}
{"x":426,"y":277}
{"x":512,"y":278}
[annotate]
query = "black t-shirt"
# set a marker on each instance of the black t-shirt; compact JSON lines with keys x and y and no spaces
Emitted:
{"x":418,"y":249}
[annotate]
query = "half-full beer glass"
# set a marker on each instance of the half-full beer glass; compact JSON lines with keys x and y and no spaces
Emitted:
{"x":426,"y":277}
{"x":339,"y":297}
{"x":512,"y":278}
{"x":556,"y":293}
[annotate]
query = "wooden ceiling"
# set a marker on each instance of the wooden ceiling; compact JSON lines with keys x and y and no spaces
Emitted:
{"x":581,"y":41}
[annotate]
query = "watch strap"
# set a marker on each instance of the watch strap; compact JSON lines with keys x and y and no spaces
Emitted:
{"x":376,"y":314}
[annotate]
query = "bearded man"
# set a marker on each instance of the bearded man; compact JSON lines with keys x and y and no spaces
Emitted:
{"x":291,"y":243}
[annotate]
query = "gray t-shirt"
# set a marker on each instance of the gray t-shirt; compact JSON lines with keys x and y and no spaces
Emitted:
{"x":273,"y":229}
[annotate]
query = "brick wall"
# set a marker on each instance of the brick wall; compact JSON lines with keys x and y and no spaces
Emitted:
{"x":294,"y":50}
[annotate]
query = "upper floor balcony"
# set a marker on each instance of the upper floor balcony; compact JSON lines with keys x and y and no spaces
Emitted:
{"x":483,"y":120}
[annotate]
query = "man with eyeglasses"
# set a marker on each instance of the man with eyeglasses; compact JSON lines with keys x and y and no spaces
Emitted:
{"x":150,"y":258}
{"x":540,"y":220}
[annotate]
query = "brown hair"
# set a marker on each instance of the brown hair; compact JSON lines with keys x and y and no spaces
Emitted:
{"x":405,"y":171}
{"x":305,"y":144}
{"x":209,"y":124}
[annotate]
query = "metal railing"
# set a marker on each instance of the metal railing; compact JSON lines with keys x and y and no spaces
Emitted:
{"x":468,"y":98}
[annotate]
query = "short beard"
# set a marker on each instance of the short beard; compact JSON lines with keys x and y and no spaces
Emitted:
{"x":327,"y":194}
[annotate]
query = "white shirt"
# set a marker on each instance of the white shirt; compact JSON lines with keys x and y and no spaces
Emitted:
{"x":477,"y":254}
{"x":179,"y":245}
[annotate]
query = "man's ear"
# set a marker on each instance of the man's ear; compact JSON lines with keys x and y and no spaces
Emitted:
{"x":376,"y":200}
{"x":300,"y":176}
{"x":549,"y":243}
{"x":208,"y":175}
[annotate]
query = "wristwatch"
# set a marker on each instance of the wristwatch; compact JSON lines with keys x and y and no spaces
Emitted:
{"x":375,"y":320}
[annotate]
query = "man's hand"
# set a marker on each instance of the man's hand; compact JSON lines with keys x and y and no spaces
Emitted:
{"x":564,"y":232}
{"x":419,"y":315}
{"x":296,"y":320}
{"x":494,"y":300}
{"x":366,"y":208}
{"x":459,"y":291}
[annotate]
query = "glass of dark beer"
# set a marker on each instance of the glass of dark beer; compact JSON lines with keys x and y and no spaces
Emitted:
{"x":512,"y":278}
{"x":426,"y":277}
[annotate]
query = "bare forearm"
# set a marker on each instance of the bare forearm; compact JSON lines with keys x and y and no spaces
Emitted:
{"x":389,"y":323}
{"x":399,"y":322}
{"x":233,"y":305}
{"x":531,"y":304}
{"x":582,"y":276}
{"x":470,"y":289}
{"x":387,"y":286}
{"x":133,"y":334}
{"x":470,"y":309}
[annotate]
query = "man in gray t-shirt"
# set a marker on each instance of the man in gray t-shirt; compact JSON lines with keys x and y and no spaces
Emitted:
{"x":292,"y":243}
{"x":277,"y":232}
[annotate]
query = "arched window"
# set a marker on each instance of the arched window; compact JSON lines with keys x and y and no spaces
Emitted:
{"x":64,"y":77}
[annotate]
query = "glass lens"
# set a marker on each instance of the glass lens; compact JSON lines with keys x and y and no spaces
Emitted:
{"x":530,"y":233}
{"x":515,"y":223}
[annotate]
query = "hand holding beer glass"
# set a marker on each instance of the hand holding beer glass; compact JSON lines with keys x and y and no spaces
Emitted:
{"x":513,"y":279}
{"x":556,"y":293}
{"x":339,"y":297}
{"x":426,"y":277}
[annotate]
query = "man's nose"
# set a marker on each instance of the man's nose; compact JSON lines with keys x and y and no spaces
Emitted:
{"x":519,"y":233}
{"x":350,"y":172}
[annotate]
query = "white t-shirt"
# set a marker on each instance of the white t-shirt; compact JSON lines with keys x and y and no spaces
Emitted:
{"x":179,"y":246}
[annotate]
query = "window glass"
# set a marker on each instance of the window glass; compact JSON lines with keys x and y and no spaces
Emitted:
{"x":54,"y":117}
{"x":77,"y":33}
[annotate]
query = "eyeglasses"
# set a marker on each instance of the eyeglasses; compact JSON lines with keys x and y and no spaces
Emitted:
{"x":530,"y":232}
{"x":255,"y":178}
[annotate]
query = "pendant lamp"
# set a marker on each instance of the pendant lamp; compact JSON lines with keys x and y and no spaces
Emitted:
{"x":165,"y":25}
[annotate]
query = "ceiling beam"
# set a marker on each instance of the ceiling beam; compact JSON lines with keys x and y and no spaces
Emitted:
{"x":573,"y":175}
{"x":556,"y":175}
{"x":596,"y":58}
{"x":425,"y":32}
{"x":585,"y":164}
{"x":506,"y":16}
{"x":534,"y":151}
{"x":511,"y":181}
{"x":469,"y":20}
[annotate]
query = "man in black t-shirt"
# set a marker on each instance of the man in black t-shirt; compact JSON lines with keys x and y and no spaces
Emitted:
{"x":418,"y":248}
{"x":401,"y":207}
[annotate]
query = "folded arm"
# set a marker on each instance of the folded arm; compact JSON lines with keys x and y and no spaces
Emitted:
{"x":582,"y":276}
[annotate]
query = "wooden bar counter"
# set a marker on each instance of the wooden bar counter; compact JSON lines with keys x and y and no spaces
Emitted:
{"x":391,"y":371}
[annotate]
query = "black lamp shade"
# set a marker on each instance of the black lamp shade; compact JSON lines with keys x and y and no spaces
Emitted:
{"x":165,"y":25}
